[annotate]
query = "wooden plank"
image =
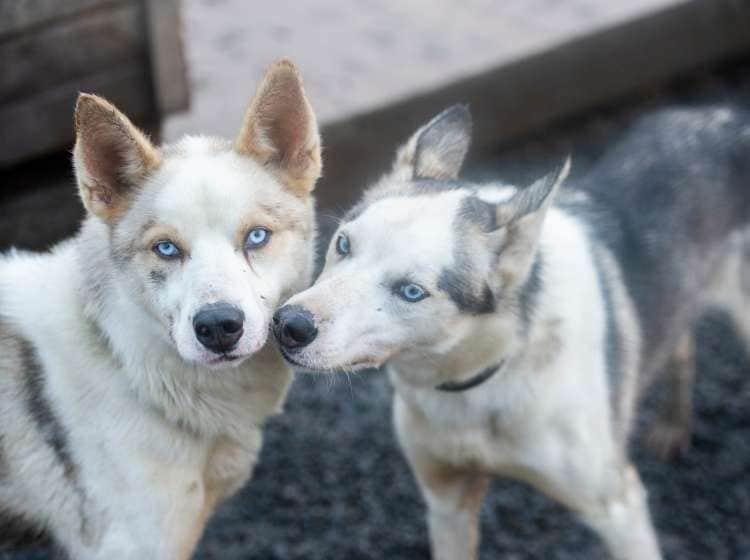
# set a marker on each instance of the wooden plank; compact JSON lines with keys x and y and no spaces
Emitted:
{"x":44,"y":123}
{"x":530,"y":93}
{"x":73,"y":48}
{"x":18,"y":15}
{"x":168,"y":66}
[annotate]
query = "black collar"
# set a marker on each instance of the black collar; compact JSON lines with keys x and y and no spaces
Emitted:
{"x":478,"y":379}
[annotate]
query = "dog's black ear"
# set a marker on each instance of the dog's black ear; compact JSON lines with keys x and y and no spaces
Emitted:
{"x":112,"y":158}
{"x":437,"y":150}
{"x":280,"y":130}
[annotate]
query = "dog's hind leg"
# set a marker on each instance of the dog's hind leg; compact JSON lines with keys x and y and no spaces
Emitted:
{"x":622,"y":520}
{"x":670,"y":434}
{"x":578,"y":462}
{"x":739,"y":274}
{"x":730,"y":291}
{"x":606,"y":493}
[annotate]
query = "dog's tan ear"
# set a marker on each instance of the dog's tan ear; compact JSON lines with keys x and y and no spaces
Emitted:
{"x":280,"y":131}
{"x":437,"y":150}
{"x":112,"y":157}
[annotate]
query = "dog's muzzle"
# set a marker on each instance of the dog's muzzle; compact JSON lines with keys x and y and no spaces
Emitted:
{"x":294,"y":327}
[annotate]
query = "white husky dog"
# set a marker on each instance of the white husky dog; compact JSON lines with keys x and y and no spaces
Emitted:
{"x":517,"y":324}
{"x":134,"y":371}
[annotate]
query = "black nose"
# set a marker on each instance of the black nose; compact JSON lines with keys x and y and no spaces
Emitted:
{"x":218,"y":326}
{"x":294,"y":326}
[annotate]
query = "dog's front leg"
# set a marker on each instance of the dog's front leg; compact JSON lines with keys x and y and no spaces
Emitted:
{"x":453,"y":496}
{"x":130,"y":540}
{"x":454,"y":499}
{"x":160,"y":512}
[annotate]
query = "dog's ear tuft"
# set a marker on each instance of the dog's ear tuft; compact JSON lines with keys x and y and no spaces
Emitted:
{"x":111,"y":157}
{"x":437,"y":150}
{"x":279,"y":129}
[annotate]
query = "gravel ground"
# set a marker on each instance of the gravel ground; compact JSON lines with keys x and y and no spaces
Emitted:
{"x":331,"y":483}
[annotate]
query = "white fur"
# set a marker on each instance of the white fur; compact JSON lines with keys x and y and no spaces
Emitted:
{"x":159,"y":433}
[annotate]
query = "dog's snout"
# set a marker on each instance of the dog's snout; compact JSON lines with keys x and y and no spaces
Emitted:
{"x":294,"y":326}
{"x":219,"y":326}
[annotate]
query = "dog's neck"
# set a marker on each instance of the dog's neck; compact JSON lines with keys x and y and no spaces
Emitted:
{"x":460,"y":386}
{"x":493,"y":341}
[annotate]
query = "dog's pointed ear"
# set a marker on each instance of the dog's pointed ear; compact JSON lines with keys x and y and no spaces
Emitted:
{"x":437,"y":150}
{"x":112,"y":158}
{"x":280,"y":131}
{"x":532,"y":202}
{"x":518,"y":222}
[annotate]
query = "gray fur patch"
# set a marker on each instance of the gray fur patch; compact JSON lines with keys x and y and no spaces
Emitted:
{"x":123,"y":254}
{"x":527,"y":298}
{"x":157,"y":276}
{"x":49,"y":426}
{"x":613,"y":347}
{"x":663,"y":201}
{"x":479,"y":212}
{"x":461,"y":282}
{"x":463,"y":293}
{"x":4,"y":468}
{"x":40,"y":411}
{"x":18,"y":533}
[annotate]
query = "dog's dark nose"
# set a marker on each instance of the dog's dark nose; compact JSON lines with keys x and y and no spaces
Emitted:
{"x":218,"y":326}
{"x":294,"y":326}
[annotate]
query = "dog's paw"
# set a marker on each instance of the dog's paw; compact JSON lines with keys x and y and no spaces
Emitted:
{"x":668,"y":440}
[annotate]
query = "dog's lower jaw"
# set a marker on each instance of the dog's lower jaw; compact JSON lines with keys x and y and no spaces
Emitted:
{"x":317,"y":366}
{"x":225,"y":361}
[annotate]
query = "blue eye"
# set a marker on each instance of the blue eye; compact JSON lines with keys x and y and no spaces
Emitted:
{"x":342,"y":245}
{"x":411,"y":292}
{"x":257,"y":238}
{"x":167,"y":250}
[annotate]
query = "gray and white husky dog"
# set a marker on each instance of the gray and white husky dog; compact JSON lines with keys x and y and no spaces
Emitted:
{"x":518,"y":324}
{"x":134,"y":370}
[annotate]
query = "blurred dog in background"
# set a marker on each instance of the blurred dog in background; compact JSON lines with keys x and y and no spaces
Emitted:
{"x":519,"y":324}
{"x":134,"y":370}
